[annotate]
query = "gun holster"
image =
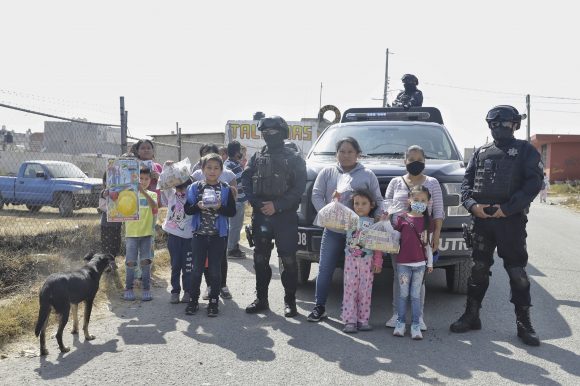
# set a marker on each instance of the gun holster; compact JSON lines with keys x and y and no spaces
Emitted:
{"x":249,"y":235}
{"x":467,"y":235}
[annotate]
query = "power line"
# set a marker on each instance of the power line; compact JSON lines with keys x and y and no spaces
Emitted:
{"x":500,"y":92}
{"x":56,"y":117}
{"x":560,"y":111}
{"x":474,"y":89}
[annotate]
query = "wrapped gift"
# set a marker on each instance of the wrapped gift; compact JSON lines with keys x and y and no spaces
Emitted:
{"x":210,"y":198}
{"x":337,"y":217}
{"x":174,"y":174}
{"x":380,"y":237}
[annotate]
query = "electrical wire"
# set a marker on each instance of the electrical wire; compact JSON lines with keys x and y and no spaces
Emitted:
{"x":56,"y":117}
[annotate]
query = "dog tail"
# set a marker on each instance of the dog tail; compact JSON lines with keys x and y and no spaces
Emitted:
{"x":43,"y":313}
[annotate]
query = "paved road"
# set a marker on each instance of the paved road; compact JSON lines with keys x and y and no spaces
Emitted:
{"x":155,"y":343}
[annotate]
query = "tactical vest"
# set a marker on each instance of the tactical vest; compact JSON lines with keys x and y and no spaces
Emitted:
{"x":272,"y":176}
{"x":499,"y":173}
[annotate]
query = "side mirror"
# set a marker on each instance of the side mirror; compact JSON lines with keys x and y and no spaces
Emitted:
{"x":40,"y":175}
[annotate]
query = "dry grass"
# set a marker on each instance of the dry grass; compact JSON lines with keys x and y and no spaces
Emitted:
{"x":17,"y":220}
{"x":18,"y":317}
{"x":27,"y":258}
{"x":19,"y":312}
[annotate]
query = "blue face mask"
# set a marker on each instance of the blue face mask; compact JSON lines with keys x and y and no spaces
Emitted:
{"x":417,"y":206}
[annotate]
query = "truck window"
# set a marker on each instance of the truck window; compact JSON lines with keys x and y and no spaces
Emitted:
{"x":31,"y":169}
{"x":391,"y":141}
{"x":65,"y":171}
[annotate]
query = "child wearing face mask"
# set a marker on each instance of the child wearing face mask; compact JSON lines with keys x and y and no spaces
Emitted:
{"x":398,"y":191}
{"x":360,"y":264}
{"x":412,"y":260}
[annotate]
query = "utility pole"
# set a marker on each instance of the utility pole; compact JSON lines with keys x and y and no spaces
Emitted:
{"x":178,"y":131}
{"x":320,"y":98}
{"x":123,"y":126}
{"x":386,"y":80}
{"x":528,"y":123}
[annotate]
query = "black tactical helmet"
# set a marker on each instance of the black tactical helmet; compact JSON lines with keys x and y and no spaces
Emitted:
{"x":274,"y":122}
{"x":410,"y":78}
{"x":504,"y":113}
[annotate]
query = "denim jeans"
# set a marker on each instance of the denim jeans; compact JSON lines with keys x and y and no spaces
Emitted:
{"x":138,"y":249}
{"x":396,"y":287}
{"x":236,"y":224}
{"x":213,"y":248}
{"x":181,"y":263}
{"x":331,"y":250}
{"x":410,"y":282}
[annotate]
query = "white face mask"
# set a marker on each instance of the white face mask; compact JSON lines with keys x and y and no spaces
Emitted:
{"x":419,"y":207}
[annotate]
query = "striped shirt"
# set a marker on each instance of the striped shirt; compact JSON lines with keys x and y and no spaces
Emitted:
{"x":398,"y":191}
{"x":237,"y":169}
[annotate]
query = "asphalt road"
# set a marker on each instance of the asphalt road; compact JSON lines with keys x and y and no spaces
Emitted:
{"x":156,"y":343}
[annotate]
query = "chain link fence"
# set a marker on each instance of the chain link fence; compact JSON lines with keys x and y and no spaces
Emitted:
{"x":50,"y":182}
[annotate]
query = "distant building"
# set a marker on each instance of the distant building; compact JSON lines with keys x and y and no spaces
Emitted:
{"x":191,"y":143}
{"x":560,"y":155}
{"x":80,"y":138}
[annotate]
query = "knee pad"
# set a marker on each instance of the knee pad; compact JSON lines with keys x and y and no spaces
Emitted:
{"x":131,"y":264}
{"x":480,"y":273}
{"x":289,"y":263}
{"x":260,"y":260}
{"x":518,"y":278}
{"x":145,"y":262}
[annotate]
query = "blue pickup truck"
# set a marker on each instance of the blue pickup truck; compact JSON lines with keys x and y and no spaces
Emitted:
{"x":57,"y":184}
{"x":384,"y":134}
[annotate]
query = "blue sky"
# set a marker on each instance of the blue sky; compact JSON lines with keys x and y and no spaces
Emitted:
{"x":202,"y":63}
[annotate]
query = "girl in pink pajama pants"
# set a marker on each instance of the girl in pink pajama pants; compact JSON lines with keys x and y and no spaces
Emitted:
{"x":360,"y":265}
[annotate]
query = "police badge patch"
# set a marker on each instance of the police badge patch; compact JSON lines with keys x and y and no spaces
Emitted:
{"x":512,"y":152}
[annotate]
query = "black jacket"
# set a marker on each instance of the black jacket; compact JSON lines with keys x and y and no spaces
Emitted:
{"x":296,"y":180}
{"x":532,"y":173}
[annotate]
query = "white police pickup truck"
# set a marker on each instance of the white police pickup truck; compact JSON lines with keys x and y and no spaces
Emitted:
{"x":384,"y":134}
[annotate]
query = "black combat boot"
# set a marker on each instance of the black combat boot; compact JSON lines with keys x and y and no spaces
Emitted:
{"x":290,"y":310}
{"x":470,"y":318}
{"x":257,"y":306}
{"x":526,"y":331}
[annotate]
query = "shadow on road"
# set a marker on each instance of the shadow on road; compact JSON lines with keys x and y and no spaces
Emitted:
{"x":81,"y":354}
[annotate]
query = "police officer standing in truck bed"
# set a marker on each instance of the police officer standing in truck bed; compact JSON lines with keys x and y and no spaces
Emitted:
{"x":500,"y":182}
{"x":274,"y":182}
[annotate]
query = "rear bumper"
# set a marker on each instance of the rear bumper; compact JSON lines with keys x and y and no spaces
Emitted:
{"x":452,"y":246}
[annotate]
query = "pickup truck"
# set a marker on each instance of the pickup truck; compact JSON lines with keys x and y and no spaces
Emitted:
{"x":50,"y":183}
{"x":384,"y":134}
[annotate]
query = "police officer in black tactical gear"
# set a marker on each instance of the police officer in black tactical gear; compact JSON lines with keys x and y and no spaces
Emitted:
{"x":411,"y":97}
{"x":501,"y":180}
{"x":274,"y":182}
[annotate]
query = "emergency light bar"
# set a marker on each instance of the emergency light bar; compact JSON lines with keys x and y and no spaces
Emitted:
{"x":423,"y":114}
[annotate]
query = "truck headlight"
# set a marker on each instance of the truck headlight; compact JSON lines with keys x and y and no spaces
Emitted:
{"x":455,"y":188}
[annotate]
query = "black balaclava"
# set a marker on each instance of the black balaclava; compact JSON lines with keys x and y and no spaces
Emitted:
{"x":274,"y":141}
{"x":502,"y":135}
{"x":410,"y":87}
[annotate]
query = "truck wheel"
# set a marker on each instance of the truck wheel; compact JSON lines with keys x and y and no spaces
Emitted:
{"x":457,"y":276}
{"x":34,"y":208}
{"x":303,"y":271}
{"x":65,"y":205}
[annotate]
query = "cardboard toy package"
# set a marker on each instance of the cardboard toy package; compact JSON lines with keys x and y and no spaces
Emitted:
{"x":123,"y":187}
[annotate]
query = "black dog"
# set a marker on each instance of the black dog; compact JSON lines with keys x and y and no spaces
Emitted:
{"x":61,"y":290}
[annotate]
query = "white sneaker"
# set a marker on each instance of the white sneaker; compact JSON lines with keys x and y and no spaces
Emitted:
{"x":416,"y":332}
{"x":399,"y":329}
{"x":422,"y":324}
{"x":391,"y":323}
{"x":206,"y":293}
